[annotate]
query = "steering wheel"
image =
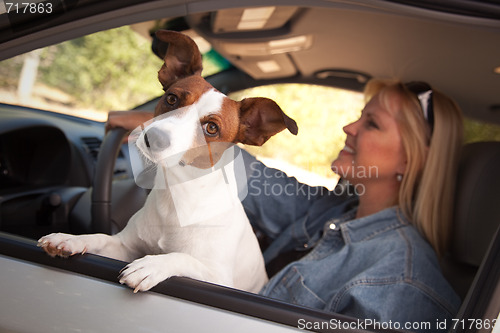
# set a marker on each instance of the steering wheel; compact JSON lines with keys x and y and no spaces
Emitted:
{"x":103,"y":178}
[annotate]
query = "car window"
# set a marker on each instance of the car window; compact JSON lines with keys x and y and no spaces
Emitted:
{"x":91,"y":75}
{"x":321,"y":113}
{"x":476,"y":131}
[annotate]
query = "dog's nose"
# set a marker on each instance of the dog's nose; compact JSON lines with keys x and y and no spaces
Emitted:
{"x":157,"y":139}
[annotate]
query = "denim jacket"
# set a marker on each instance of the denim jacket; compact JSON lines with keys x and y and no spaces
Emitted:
{"x":376,"y":267}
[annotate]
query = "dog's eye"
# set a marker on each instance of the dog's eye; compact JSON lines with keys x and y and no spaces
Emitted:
{"x":211,"y":128}
{"x":171,"y":99}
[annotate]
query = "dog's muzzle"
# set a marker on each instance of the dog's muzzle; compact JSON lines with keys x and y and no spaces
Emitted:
{"x":156,"y":139}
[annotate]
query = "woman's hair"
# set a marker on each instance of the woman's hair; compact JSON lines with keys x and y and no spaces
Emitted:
{"x":426,"y":194}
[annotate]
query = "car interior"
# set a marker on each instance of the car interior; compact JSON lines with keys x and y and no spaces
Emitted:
{"x":275,"y":46}
{"x":475,"y":238}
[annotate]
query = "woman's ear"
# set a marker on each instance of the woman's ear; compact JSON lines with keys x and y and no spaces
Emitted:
{"x":402,"y":166}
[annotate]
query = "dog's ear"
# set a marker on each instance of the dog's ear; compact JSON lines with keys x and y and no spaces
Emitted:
{"x":260,"y":119}
{"x":182,"y":59}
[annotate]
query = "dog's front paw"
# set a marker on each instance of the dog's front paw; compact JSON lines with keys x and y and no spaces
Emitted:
{"x":144,"y":273}
{"x":62,"y":245}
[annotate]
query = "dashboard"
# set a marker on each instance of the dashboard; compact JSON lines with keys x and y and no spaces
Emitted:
{"x":38,"y":155}
{"x":47,"y":163}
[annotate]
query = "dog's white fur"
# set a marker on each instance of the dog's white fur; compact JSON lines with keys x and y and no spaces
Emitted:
{"x":222,"y":249}
{"x":204,"y":233}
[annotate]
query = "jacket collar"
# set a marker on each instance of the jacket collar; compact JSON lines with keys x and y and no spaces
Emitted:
{"x":361,"y":229}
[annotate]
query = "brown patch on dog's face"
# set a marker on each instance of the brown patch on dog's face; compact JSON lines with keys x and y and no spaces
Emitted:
{"x":219,"y":126}
{"x":182,"y":93}
{"x":219,"y":132}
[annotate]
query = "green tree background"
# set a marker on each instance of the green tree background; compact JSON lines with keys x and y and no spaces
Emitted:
{"x":110,"y":70}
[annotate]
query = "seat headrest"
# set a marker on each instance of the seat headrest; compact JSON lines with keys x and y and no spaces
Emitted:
{"x":477,"y":203}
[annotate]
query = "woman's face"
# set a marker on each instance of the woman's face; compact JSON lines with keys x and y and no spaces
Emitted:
{"x":373,"y":151}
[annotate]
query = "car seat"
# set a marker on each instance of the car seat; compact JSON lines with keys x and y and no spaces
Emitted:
{"x":476,"y":213}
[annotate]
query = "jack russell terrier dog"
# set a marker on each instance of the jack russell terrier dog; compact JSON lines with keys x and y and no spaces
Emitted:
{"x":217,"y":244}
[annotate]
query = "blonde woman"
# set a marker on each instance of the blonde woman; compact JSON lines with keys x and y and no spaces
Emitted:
{"x":375,"y":243}
{"x":370,"y":248}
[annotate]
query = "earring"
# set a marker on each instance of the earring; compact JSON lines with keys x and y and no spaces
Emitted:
{"x":399,"y":177}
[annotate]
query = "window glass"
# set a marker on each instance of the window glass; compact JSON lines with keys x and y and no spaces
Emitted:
{"x":91,"y":75}
{"x":321,"y":113}
{"x":476,"y":131}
